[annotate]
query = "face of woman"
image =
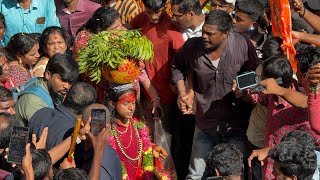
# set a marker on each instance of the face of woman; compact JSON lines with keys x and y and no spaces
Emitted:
{"x":5,"y":68}
{"x":116,"y":25}
{"x":32,"y":56}
{"x":55,"y":44}
{"x":126,"y":106}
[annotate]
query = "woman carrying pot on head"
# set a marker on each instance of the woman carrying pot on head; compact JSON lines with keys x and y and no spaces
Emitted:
{"x":130,"y":137}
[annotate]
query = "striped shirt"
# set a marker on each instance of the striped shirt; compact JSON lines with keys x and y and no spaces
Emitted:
{"x":128,"y":9}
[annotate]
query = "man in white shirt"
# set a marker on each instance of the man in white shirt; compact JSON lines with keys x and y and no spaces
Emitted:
{"x":187,"y":14}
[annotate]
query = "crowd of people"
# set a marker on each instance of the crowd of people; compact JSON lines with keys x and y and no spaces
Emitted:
{"x":216,"y":129}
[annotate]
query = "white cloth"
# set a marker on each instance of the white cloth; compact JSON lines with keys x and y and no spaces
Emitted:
{"x":215,"y":63}
{"x":189,"y":33}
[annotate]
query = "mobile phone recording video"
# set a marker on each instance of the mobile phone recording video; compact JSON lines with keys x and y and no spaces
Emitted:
{"x":247,"y":80}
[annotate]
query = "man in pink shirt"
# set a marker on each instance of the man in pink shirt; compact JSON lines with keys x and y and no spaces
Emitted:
{"x":73,"y":14}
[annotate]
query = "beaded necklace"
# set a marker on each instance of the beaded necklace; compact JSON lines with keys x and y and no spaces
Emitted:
{"x":131,"y":159}
{"x":118,"y":138}
{"x":145,"y":152}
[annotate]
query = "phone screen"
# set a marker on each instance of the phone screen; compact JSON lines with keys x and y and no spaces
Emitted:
{"x":246,"y":80}
{"x":17,"y":146}
{"x":98,"y":121}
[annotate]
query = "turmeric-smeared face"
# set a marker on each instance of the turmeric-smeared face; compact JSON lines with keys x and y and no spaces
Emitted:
{"x":126,"y":105}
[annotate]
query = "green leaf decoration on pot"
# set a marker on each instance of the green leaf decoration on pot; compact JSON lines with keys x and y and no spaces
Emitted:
{"x":115,"y":55}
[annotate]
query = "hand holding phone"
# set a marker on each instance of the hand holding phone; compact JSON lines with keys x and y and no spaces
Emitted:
{"x":98,"y":121}
{"x":17,"y":146}
{"x":261,"y":88}
{"x":247,"y":80}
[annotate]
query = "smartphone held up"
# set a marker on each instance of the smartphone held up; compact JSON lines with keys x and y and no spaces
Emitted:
{"x":98,"y":121}
{"x":247,"y":80}
{"x":17,"y":146}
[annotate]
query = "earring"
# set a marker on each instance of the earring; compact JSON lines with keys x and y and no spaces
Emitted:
{"x":251,"y":28}
{"x":20,"y":61}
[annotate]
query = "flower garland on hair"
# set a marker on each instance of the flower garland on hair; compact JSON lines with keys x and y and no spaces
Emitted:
{"x":147,"y":156}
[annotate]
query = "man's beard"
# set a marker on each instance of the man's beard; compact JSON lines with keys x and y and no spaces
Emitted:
{"x":56,"y":97}
{"x":213,"y":48}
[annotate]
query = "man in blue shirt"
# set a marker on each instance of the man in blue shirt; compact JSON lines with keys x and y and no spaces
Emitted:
{"x":29,"y":16}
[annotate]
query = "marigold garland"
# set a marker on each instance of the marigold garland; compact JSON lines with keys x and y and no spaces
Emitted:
{"x":124,"y":172}
{"x":147,"y":156}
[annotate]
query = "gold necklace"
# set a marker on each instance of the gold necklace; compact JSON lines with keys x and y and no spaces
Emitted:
{"x":124,"y":130}
{"x":126,"y":147}
{"x":131,"y":159}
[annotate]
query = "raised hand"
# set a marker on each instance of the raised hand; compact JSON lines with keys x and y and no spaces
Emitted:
{"x":66,"y":164}
{"x":99,"y":142}
{"x":297,"y":5}
{"x":271,"y":87}
{"x":41,"y":144}
{"x":27,"y":164}
{"x":261,"y":154}
{"x":314,"y":75}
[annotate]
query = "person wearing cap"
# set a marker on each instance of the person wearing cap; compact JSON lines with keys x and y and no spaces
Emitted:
{"x":224,"y":5}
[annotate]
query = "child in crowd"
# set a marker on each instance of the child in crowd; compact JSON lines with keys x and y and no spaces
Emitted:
{"x":52,"y":41}
{"x":130,"y":137}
